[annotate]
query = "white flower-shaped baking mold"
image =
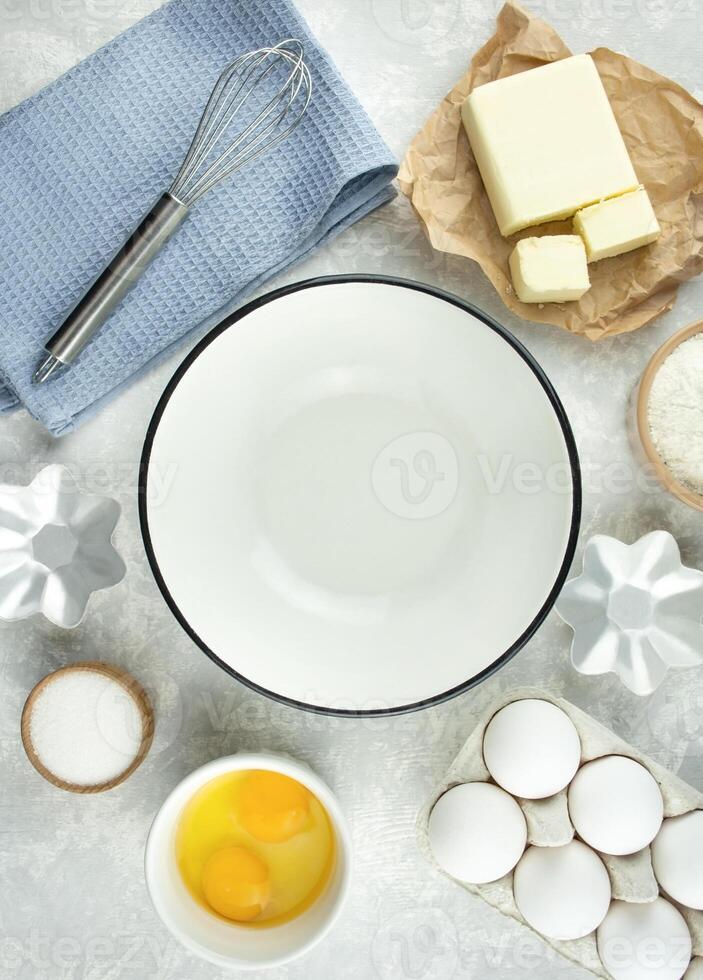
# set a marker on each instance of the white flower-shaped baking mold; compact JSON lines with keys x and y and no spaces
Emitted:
{"x":635,"y":610}
{"x":55,"y":548}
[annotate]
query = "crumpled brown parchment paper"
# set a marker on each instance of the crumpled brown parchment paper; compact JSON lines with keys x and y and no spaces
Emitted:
{"x":662,"y":125}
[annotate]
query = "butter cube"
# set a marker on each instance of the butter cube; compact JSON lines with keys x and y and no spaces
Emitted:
{"x":546,"y":143}
{"x":551,"y":269}
{"x":617,"y":225}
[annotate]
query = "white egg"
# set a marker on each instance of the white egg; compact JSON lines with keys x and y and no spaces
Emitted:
{"x":615,"y":805}
{"x":477,"y":832}
{"x":531,"y":748}
{"x":677,"y":858}
{"x":695,"y":970}
{"x":562,"y":892}
{"x":648,"y":941}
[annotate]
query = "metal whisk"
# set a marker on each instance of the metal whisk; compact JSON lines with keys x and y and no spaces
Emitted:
{"x":242,"y":94}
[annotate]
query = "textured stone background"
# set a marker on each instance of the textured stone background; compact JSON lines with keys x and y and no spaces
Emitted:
{"x":72,"y":897}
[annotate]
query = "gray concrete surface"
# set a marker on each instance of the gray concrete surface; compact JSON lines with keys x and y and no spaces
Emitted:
{"x":72,"y":898}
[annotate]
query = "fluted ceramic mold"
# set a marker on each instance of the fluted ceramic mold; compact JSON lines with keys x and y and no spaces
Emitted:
{"x":55,"y":548}
{"x":635,"y":610}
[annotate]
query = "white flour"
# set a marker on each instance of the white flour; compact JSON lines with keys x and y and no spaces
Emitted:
{"x":676,"y":412}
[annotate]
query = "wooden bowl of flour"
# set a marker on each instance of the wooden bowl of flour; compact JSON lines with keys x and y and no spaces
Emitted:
{"x":670,"y":473}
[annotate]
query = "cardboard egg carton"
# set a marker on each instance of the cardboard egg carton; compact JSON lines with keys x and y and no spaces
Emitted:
{"x":548,"y":825}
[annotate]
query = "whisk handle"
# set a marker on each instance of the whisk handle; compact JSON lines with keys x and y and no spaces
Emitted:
{"x":121,"y":274}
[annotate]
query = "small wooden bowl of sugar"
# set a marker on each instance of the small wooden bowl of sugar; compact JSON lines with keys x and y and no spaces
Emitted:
{"x":86,"y":727}
{"x":669,"y":414}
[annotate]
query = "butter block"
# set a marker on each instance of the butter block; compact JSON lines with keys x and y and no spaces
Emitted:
{"x":546,"y":143}
{"x":618,"y":225}
{"x":551,"y":269}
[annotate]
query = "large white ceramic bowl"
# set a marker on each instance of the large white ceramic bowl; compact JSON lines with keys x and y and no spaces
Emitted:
{"x":360,"y":495}
{"x":227,"y":944}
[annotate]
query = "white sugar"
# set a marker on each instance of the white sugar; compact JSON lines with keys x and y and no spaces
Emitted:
{"x":85,"y":727}
{"x":676,"y":412}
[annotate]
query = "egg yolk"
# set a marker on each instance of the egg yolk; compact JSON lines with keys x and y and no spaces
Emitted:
{"x":255,"y":848}
{"x":236,"y":884}
{"x":273,"y":807}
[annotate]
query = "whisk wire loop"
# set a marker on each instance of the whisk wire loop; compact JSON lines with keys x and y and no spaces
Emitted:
{"x":235,"y":92}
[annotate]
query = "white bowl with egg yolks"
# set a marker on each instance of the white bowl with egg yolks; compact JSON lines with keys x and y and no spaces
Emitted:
{"x":230,"y":944}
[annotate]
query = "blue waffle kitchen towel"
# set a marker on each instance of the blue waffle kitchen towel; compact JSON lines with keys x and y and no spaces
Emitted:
{"x":85,"y":158}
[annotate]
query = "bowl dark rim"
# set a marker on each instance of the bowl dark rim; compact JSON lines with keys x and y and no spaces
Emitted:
{"x":528,"y":633}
